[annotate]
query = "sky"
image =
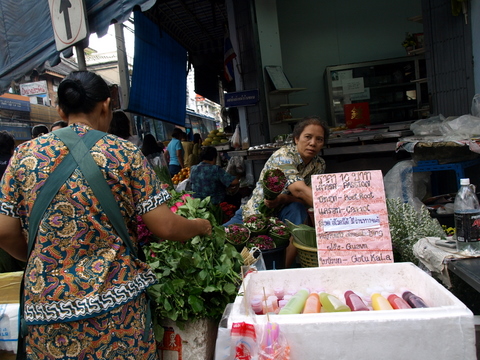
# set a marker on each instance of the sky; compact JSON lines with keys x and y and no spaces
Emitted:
{"x":107,"y":43}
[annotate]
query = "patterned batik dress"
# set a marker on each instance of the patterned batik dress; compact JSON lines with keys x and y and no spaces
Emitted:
{"x":84,"y":292}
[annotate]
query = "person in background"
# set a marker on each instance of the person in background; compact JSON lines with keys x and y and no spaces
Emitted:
{"x":152,"y":151}
{"x":187,"y":147}
{"x":39,"y":130}
{"x":58,"y":125}
{"x":208,"y":179}
{"x":194,"y":157}
{"x":174,"y":152}
{"x":120,"y":126}
{"x":298,"y":161}
{"x":7,"y":145}
{"x":85,"y":291}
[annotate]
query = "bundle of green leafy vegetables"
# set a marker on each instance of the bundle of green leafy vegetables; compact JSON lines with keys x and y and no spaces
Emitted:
{"x":196,"y":278}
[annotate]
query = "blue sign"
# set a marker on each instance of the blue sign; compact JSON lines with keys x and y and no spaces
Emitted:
{"x":19,"y":132}
{"x":14,"y":104}
{"x":241,"y":98}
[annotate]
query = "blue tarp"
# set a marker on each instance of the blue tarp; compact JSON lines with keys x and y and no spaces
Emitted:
{"x":159,"y":85}
{"x":26,"y":34}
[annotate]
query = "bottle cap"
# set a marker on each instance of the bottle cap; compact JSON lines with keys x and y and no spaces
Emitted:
{"x":464,"y":181}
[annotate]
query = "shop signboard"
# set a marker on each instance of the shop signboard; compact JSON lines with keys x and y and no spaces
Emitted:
{"x":19,"y":132}
{"x":8,"y":103}
{"x":33,"y":88}
{"x":351,"y":219}
{"x":241,"y":98}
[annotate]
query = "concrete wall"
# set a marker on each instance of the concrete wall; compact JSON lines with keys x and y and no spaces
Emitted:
{"x":317,"y":34}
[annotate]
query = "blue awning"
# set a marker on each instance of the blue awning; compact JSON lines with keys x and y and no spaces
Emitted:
{"x":26,"y":34}
{"x":159,"y":85}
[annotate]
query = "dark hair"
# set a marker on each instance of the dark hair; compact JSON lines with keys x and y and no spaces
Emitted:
{"x":80,"y":92}
{"x":38,"y":130}
{"x":177,"y":133}
{"x":7,"y":143}
{"x":208,"y":153}
{"x":197,"y":139}
{"x":60,"y":123}
{"x":311,"y":120}
{"x":150,"y":145}
{"x":120,"y":125}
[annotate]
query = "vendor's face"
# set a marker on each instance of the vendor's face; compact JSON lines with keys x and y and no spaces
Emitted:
{"x":310,"y":142}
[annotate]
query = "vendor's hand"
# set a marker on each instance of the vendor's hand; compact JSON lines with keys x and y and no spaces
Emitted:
{"x":272,"y":204}
{"x":205,"y":226}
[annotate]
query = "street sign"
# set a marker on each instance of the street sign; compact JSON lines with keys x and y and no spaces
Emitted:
{"x":69,"y":21}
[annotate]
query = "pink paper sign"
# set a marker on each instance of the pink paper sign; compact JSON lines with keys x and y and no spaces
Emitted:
{"x":351,"y":219}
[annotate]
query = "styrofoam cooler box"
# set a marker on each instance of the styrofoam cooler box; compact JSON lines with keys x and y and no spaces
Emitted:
{"x":445,"y":330}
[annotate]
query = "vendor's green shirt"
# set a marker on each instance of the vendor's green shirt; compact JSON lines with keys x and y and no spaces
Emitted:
{"x":290,"y":162}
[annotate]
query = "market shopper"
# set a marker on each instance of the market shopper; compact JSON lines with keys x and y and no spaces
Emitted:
{"x":84,"y":287}
{"x":209,"y":179}
{"x":120,"y":126}
{"x":59,"y":124}
{"x":152,"y":151}
{"x":174,"y":152}
{"x":299,"y":161}
{"x":39,"y":130}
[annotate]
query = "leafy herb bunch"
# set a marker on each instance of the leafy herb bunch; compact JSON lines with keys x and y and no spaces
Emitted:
{"x":407,"y":226}
{"x":196,"y":278}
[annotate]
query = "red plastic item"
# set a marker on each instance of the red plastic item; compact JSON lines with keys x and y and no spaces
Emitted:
{"x":355,"y":302}
{"x":397,"y":302}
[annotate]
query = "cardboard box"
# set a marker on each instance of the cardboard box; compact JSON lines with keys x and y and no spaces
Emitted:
{"x":445,"y":330}
{"x":10,"y":287}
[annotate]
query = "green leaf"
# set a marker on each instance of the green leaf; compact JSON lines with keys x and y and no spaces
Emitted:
{"x":210,"y":289}
{"x":196,"y":303}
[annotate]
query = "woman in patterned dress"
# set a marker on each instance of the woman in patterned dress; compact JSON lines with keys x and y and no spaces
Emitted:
{"x":84,"y":291}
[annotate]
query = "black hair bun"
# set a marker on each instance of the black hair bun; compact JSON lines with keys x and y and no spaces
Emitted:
{"x":71,"y":93}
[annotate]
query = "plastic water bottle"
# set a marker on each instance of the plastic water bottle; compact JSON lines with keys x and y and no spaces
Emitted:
{"x":467,"y":218}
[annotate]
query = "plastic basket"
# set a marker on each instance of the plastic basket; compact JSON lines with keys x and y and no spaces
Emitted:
{"x":308,"y":256}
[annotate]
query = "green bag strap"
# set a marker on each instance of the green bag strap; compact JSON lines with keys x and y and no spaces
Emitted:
{"x":53,"y":183}
{"x":103,"y":193}
{"x":96,"y":181}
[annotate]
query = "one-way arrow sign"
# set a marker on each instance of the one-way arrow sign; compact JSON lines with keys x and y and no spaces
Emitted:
{"x":69,"y":21}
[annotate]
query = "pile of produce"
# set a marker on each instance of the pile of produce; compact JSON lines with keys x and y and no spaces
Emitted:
{"x":182,"y":175}
{"x":215,"y":137}
{"x":196,"y":278}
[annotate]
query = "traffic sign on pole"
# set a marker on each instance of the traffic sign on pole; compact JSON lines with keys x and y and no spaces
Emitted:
{"x":69,"y":21}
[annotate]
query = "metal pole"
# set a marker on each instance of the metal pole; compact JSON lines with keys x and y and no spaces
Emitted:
{"x":82,"y":64}
{"x":122,"y":64}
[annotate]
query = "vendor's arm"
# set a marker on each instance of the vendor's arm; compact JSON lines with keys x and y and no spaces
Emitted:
{"x":11,"y":237}
{"x":283,"y":199}
{"x":302,"y":191}
{"x":165,"y":224}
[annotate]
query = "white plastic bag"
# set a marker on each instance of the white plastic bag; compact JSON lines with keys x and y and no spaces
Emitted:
{"x":236,"y":138}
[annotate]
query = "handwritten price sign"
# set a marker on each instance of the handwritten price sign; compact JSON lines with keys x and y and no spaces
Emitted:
{"x":351,"y":219}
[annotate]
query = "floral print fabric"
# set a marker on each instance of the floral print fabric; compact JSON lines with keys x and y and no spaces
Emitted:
{"x":290,"y":162}
{"x":79,"y":267}
{"x":117,"y":334}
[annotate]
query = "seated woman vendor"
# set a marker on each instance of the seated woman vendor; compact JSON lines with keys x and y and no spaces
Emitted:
{"x":298,"y":161}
